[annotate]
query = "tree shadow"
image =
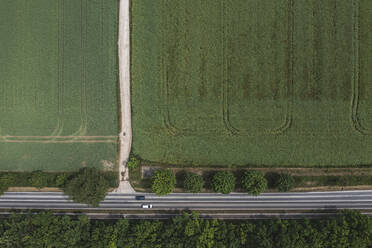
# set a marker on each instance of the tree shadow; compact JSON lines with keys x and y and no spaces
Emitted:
{"x":272,"y":179}
{"x":180,"y":178}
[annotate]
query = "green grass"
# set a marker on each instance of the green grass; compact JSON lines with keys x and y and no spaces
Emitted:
{"x":261,"y":83}
{"x":58,"y":84}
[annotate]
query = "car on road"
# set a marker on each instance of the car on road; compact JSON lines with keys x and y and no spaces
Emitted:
{"x":140,"y":197}
{"x":146,"y":205}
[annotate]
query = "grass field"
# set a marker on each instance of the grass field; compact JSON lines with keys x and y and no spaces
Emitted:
{"x":252,"y":82}
{"x":58,"y":84}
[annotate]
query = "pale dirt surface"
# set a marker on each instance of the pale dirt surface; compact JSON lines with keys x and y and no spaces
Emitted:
{"x":107,"y":165}
{"x":332,"y":188}
{"x":49,"y":137}
{"x":58,"y":139}
{"x":51,"y":141}
{"x":33,"y":189}
{"x":124,"y":78}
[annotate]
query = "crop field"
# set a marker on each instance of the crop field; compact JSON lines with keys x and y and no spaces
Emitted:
{"x":252,"y":82}
{"x":58,"y":84}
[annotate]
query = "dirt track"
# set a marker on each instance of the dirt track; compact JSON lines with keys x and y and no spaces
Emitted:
{"x":124,"y":78}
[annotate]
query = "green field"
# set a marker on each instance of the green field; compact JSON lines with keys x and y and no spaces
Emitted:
{"x":252,"y":82}
{"x":58,"y":84}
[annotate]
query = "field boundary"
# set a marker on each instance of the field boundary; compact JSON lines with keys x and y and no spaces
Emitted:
{"x":356,"y":123}
{"x":58,"y":139}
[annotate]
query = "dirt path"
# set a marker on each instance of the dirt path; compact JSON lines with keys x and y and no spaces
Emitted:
{"x":124,"y":78}
{"x":58,"y":141}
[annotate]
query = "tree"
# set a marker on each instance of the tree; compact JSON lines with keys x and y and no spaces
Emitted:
{"x":285,"y":182}
{"x":133,"y":162}
{"x":348,"y":229}
{"x":254,"y":182}
{"x":38,"y":179}
{"x":193,"y":182}
{"x":88,"y":186}
{"x":223,"y":182}
{"x":163,"y":182}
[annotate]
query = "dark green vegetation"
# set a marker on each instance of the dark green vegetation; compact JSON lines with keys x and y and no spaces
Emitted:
{"x":255,"y":83}
{"x":53,"y":179}
{"x":254,"y":182}
{"x":193,"y":182}
{"x":346,"y":230}
{"x":133,"y":162}
{"x":58,"y":84}
{"x":38,"y":180}
{"x":273,"y":181}
{"x":285,"y":182}
{"x":223,"y":182}
{"x":88,"y":186}
{"x":163,"y":182}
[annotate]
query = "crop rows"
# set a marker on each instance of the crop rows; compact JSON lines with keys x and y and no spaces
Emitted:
{"x":28,"y":99}
{"x":229,"y":85}
{"x":356,"y":87}
{"x":180,"y":38}
{"x":58,"y":84}
{"x":252,"y":83}
{"x":223,"y":95}
{"x":314,"y":88}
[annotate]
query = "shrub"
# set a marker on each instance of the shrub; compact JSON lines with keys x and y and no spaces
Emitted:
{"x":61,"y":180}
{"x":254,"y":182}
{"x":7,"y":179}
{"x":38,"y":180}
{"x":193,"y":182}
{"x":133,"y":162}
{"x":285,"y":182}
{"x":5,"y":182}
{"x":3,"y":188}
{"x":223,"y":182}
{"x":163,"y":182}
{"x":88,"y":185}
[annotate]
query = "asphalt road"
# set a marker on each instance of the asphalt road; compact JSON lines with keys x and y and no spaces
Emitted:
{"x":361,"y":200}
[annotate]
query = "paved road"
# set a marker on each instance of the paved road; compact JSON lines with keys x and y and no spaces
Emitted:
{"x":268,"y":202}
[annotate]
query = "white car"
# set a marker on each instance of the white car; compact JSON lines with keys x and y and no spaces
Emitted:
{"x":146,"y":205}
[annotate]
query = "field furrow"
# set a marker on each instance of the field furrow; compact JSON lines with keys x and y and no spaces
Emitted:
{"x":252,"y":82}
{"x":192,"y":81}
{"x":259,"y":74}
{"x":58,"y":83}
{"x":362,"y":109}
